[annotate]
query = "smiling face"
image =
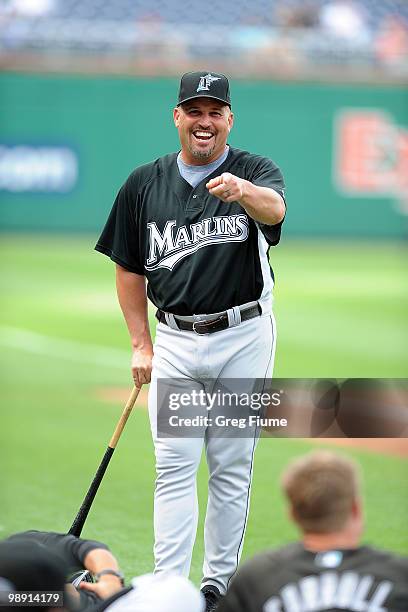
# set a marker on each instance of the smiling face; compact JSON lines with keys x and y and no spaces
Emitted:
{"x":203,"y":125}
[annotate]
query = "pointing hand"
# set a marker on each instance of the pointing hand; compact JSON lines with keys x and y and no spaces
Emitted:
{"x":227,"y":187}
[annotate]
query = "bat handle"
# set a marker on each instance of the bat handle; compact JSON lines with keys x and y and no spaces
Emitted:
{"x":125,"y":415}
{"x":83,"y":512}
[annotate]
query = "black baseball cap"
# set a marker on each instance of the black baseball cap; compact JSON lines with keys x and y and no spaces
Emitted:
{"x":29,"y":566}
{"x":204,"y":84}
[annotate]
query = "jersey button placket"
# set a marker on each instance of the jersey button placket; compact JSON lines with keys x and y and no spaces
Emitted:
{"x":194,"y":202}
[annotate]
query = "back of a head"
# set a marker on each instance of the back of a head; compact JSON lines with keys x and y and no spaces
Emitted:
{"x":321,"y":488}
{"x":28,"y":566}
{"x":165,"y":592}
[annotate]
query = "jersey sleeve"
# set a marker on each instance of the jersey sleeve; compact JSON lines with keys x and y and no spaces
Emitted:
{"x":120,"y":237}
{"x":265,"y":173}
{"x":70,"y":549}
{"x":79,"y":548}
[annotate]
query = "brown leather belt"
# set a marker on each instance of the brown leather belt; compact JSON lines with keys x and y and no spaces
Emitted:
{"x":213,"y":325}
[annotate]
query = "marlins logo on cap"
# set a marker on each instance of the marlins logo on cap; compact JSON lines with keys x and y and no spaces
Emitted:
{"x":204,"y":84}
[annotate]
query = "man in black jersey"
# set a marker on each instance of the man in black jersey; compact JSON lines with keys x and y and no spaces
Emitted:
{"x":197,"y":225}
{"x":43,"y":561}
{"x":328,"y":569}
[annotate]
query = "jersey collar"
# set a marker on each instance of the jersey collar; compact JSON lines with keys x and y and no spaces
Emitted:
{"x":181,"y":187}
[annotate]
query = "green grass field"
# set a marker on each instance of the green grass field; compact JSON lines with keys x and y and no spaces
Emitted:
{"x":341,"y":312}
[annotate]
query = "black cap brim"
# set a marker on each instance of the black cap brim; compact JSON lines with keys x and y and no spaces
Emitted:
{"x":212,"y":97}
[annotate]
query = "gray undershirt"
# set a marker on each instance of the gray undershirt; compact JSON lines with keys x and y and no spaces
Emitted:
{"x":195,"y":174}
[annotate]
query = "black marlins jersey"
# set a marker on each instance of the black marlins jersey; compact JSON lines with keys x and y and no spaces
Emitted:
{"x":296,"y":580}
{"x":199,"y":254}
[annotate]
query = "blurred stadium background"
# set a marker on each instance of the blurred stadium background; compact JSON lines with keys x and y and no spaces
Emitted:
{"x":86,"y":93}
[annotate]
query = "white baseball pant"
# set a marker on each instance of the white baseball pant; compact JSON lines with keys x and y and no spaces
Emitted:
{"x":244,"y":351}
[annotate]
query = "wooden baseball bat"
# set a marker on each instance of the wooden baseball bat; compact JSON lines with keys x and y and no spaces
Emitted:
{"x":83,"y":512}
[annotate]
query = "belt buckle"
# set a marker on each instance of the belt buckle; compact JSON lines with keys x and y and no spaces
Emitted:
{"x":200,"y":333}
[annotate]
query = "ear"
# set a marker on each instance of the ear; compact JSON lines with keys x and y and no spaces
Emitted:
{"x":357,"y":508}
{"x":176,"y":116}
{"x":230,"y":121}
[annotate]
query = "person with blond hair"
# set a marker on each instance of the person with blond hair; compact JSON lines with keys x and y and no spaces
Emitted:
{"x":328,"y":569}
